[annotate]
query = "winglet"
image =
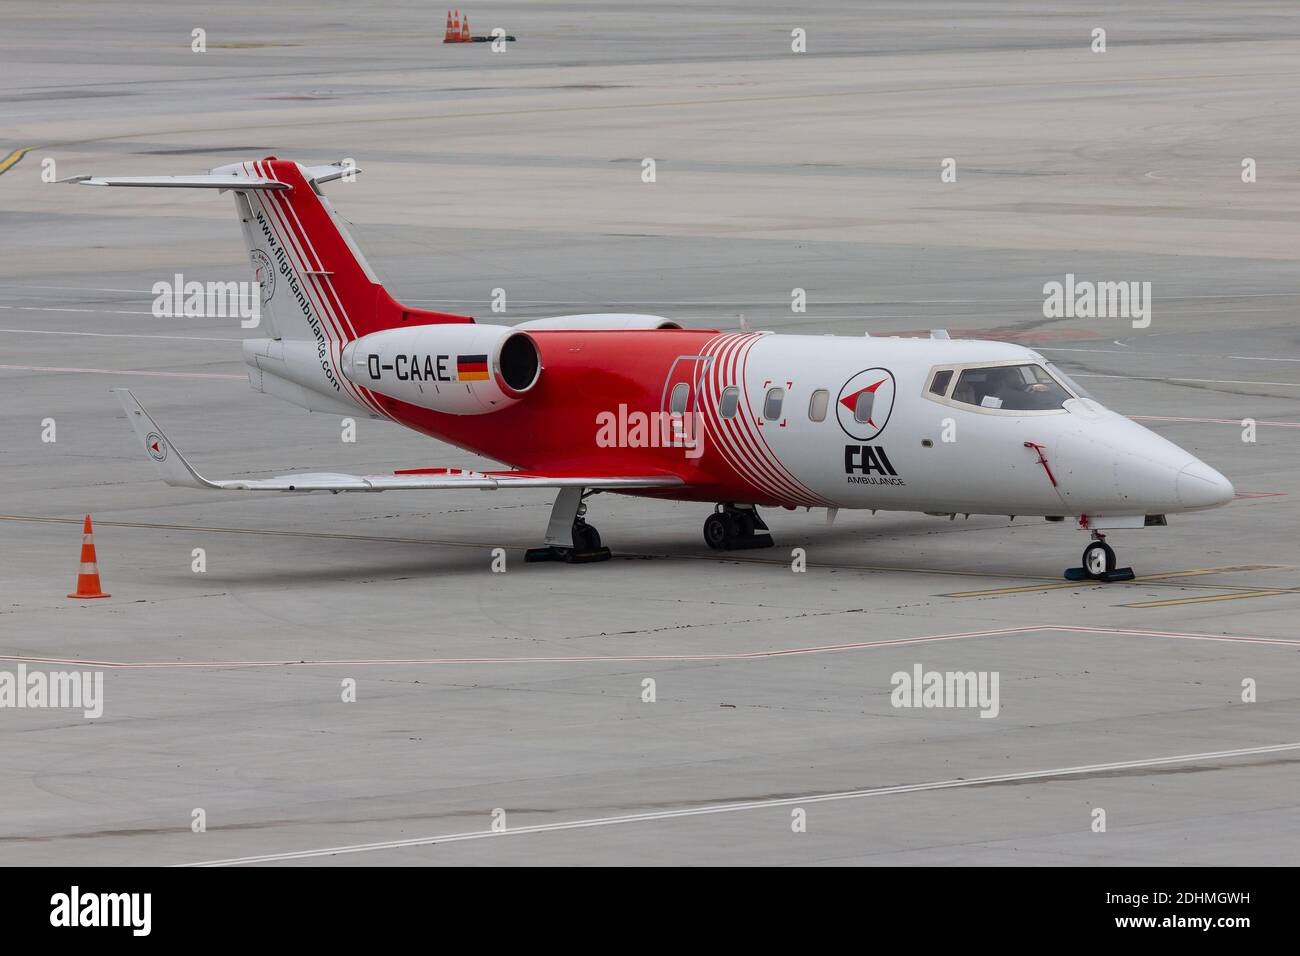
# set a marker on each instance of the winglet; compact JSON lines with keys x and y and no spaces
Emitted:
{"x":171,"y":464}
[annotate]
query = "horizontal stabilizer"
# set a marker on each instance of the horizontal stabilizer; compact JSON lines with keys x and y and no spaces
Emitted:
{"x":208,"y":181}
{"x":176,"y":471}
{"x":330,"y":172}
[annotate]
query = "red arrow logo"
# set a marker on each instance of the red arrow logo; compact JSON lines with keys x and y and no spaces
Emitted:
{"x":851,"y":401}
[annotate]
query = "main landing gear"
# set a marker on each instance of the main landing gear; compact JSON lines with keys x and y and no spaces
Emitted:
{"x":568,"y":536}
{"x":734,"y":527}
{"x":1099,"y":563}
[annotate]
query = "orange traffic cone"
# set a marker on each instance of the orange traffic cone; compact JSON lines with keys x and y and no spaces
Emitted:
{"x":464,"y":30}
{"x":455,"y":28}
{"x":88,"y":577}
{"x":448,"y":36}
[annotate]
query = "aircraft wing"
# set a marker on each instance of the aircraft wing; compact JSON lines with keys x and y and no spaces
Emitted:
{"x":176,"y":471}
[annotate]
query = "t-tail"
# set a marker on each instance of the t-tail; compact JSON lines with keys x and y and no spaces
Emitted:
{"x":317,"y":291}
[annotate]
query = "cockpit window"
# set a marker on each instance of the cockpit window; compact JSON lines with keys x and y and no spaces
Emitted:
{"x":1071,"y":384}
{"x":1018,"y":388}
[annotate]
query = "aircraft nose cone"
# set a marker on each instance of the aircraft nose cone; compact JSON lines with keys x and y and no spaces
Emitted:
{"x":1200,"y":486}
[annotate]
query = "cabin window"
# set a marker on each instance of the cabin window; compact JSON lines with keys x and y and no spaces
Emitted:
{"x":817,"y":405}
{"x":939,"y":384}
{"x":772,"y":404}
{"x":862,"y":407}
{"x":727,"y":404}
{"x":681,"y":393}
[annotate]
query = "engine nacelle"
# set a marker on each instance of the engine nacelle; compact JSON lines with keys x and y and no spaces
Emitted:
{"x":599,"y":322}
{"x":456,"y":369}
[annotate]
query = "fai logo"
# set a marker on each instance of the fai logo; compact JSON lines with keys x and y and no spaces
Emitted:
{"x":865,"y":402}
{"x":156,"y":445}
{"x":263,"y":272}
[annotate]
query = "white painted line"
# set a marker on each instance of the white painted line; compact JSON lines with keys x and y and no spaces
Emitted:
{"x":120,"y":335}
{"x":1244,"y":358}
{"x":600,"y":302}
{"x":119,"y":371}
{"x":1207,"y":381}
{"x":48,"y":308}
{"x":757,"y":805}
{"x":1204,"y":421}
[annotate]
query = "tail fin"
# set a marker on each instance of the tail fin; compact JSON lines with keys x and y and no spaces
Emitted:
{"x":319,"y":282}
{"x":318,"y":292}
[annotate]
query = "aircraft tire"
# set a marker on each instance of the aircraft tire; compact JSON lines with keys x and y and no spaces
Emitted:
{"x":1098,"y":559}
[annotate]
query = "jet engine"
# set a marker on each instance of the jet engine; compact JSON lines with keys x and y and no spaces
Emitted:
{"x":456,"y":369}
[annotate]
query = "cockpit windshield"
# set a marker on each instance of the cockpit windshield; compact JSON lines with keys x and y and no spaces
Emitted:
{"x":1018,"y":388}
{"x":1055,"y":371}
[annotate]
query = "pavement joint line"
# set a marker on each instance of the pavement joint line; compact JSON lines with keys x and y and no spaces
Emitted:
{"x":658,"y":658}
{"x":707,"y":810}
{"x":1153,"y":580}
{"x":363,"y":118}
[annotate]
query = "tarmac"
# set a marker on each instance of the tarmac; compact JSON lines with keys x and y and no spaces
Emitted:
{"x":501,"y":718}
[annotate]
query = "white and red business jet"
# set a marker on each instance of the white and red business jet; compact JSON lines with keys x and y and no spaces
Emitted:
{"x":635,"y":404}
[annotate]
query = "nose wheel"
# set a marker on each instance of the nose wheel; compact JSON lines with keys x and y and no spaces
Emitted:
{"x":1098,"y":563}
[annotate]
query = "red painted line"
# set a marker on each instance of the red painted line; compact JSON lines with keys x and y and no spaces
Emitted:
{"x":1042,"y":460}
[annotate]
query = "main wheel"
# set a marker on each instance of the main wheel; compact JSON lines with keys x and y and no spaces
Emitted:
{"x":745,"y":525}
{"x":585,"y":538}
{"x":1098,"y":559}
{"x":719,"y":530}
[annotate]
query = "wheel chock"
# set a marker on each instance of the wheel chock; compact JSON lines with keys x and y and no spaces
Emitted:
{"x":544,"y":554}
{"x":1119,"y":574}
{"x":567,"y":555}
{"x":586,"y":557}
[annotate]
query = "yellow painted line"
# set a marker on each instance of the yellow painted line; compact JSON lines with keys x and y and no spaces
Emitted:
{"x":13,"y":158}
{"x":1144,"y":579}
{"x":1210,"y":597}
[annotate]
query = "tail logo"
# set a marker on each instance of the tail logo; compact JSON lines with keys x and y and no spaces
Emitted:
{"x":156,"y":445}
{"x":263,"y":273}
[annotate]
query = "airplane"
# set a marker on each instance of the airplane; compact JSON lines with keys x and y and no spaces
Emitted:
{"x":635,"y":404}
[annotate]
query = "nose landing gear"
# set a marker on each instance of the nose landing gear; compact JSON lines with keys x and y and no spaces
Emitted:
{"x":1099,"y":563}
{"x":735,"y":527}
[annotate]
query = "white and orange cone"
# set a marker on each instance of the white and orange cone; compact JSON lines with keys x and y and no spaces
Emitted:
{"x":88,"y":577}
{"x":464,"y":30}
{"x":448,"y":36}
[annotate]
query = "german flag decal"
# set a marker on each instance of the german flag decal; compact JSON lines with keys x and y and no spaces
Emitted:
{"x":471,"y":368}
